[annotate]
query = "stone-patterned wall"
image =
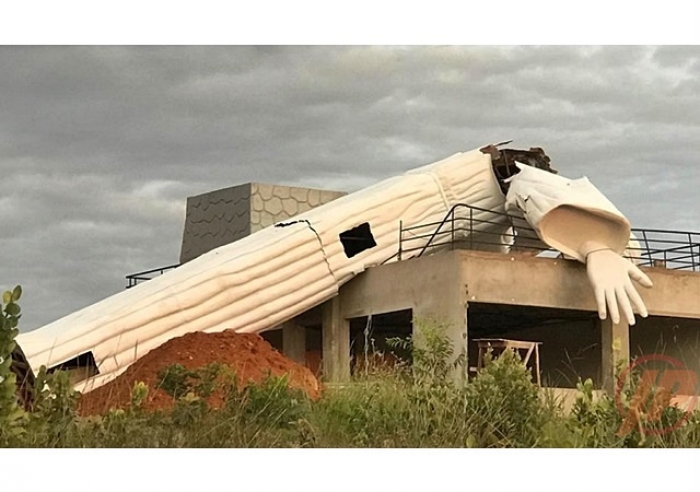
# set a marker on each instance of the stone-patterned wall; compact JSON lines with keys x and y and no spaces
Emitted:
{"x":274,"y":203}
{"x":223,"y":216}
{"x":215,"y":219}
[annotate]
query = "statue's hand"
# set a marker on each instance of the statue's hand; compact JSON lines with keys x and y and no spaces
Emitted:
{"x":609,"y":274}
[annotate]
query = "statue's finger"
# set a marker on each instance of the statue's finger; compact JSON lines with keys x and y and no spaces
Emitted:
{"x":624,"y":302}
{"x":640,"y":276}
{"x":636,"y":300}
{"x":612,"y":305}
{"x":600,"y":301}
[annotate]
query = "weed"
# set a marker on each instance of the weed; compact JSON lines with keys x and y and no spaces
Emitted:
{"x":424,"y":405}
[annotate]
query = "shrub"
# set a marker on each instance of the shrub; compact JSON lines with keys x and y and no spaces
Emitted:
{"x":426,"y":406}
{"x":505,"y":401}
{"x":12,"y":416}
{"x":178,"y":381}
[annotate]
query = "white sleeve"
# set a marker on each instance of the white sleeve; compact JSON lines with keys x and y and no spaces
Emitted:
{"x":572,"y":216}
{"x":267,"y":278}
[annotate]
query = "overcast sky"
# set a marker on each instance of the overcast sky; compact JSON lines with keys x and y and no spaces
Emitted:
{"x":100,"y":147}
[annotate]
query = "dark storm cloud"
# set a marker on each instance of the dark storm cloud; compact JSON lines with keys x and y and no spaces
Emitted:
{"x":100,"y":146}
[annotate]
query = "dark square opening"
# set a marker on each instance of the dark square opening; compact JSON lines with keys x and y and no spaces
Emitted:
{"x":357,"y":239}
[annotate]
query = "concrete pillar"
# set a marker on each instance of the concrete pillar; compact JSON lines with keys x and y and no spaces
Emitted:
{"x":294,"y":341}
{"x":615,"y":344}
{"x":446,"y":308}
{"x":336,"y":343}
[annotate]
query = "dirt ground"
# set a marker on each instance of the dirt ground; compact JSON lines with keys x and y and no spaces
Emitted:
{"x":248,"y":355}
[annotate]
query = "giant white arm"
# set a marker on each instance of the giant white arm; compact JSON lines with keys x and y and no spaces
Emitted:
{"x":271,"y":276}
{"x":575,"y":218}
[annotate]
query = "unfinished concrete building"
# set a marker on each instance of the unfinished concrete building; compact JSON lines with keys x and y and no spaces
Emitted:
{"x":461,"y":243}
{"x":522,"y":294}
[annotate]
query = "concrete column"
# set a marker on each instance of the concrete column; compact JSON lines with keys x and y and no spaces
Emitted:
{"x":294,"y":341}
{"x":446,"y":308}
{"x":336,"y":343}
{"x":615,"y":344}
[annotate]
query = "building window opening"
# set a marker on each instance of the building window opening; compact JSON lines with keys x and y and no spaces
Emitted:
{"x":79,"y":368}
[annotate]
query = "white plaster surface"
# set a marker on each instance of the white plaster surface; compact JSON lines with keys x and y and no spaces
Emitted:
{"x":269,"y":277}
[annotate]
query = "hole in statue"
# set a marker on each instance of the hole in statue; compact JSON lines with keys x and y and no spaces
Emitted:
{"x":357,"y":239}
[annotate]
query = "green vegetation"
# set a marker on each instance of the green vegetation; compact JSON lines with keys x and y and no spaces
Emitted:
{"x":421,"y":405}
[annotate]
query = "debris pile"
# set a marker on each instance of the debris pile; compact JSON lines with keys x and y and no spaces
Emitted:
{"x":248,"y":355}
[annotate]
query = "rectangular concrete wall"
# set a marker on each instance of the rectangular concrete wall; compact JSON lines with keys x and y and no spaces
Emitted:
{"x":215,"y":219}
{"x":223,"y":216}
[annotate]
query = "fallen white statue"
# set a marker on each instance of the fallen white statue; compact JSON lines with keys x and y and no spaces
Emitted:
{"x":269,"y":277}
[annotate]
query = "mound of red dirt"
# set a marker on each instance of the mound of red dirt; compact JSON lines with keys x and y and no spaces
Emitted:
{"x":249,"y":356}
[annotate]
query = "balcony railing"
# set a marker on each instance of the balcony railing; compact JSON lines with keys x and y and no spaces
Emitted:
{"x":469,"y":227}
{"x":136,"y":278}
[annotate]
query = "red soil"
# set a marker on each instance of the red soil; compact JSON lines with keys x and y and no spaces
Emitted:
{"x":248,"y":355}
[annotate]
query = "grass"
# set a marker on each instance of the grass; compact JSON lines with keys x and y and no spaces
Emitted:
{"x":391,"y":407}
{"x":421,"y":405}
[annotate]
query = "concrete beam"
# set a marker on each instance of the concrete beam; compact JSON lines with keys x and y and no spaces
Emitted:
{"x":336,"y":342}
{"x":507,"y":279}
{"x":294,"y":341}
{"x":400,"y":285}
{"x":551,"y":282}
{"x":615,"y":346}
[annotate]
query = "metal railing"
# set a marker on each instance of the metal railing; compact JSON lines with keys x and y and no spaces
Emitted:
{"x":470,"y":227}
{"x":675,"y":250}
{"x":135,"y":278}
